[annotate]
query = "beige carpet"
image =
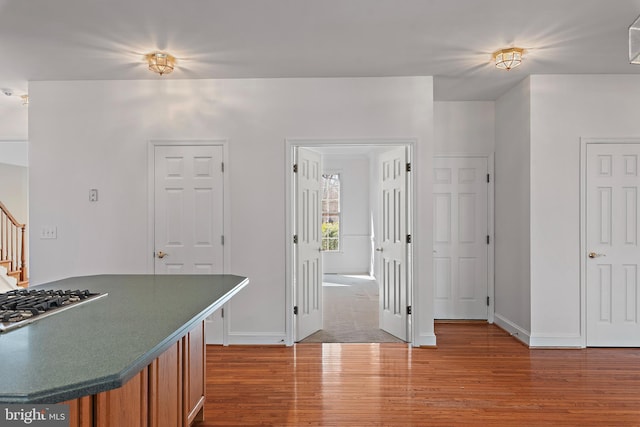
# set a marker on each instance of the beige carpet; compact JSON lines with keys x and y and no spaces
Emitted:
{"x":350,"y":311}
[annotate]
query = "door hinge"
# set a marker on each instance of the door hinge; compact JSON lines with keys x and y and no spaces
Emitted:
{"x":408,"y":167}
{"x":295,"y":168}
{"x":488,"y":299}
{"x":488,"y":239}
{"x":222,"y":167}
{"x":408,"y":238}
{"x":222,"y":240}
{"x":295,"y":310}
{"x":222,"y":313}
{"x":408,"y":309}
{"x":488,"y":178}
{"x":295,"y":238}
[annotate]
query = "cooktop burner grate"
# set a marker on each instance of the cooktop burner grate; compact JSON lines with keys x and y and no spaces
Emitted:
{"x":22,"y":306}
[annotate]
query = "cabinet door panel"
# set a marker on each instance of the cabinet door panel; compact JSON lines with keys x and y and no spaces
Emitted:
{"x":80,"y":412}
{"x":165,"y":394}
{"x":124,"y":406}
{"x":194,"y":375}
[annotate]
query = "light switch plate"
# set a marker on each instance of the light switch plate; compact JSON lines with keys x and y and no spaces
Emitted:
{"x":49,"y":232}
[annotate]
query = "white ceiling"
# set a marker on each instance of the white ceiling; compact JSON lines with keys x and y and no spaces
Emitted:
{"x":449,"y":39}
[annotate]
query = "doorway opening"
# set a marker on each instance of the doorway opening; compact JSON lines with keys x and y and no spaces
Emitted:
{"x":350,"y":311}
{"x":354,"y":283}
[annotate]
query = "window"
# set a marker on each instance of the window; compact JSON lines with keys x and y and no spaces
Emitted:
{"x":330,"y":212}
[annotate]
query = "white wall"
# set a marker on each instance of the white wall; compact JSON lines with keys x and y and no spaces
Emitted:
{"x":13,"y":119}
{"x":512,"y":221}
{"x":95,"y":134}
{"x":354,"y":255}
{"x":464,"y":127}
{"x":14,"y":153}
{"x":565,"y":108}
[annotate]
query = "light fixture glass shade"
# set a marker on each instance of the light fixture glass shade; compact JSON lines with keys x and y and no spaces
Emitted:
{"x":634,"y":42}
{"x":161,"y":62}
{"x":507,"y":59}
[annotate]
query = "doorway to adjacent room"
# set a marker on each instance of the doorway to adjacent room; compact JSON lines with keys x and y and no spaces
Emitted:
{"x":365,"y":264}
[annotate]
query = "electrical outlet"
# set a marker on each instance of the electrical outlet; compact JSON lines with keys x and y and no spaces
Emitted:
{"x":93,"y":195}
{"x":49,"y":232}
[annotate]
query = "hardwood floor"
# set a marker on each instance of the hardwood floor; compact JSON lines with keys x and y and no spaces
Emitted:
{"x":478,"y":375}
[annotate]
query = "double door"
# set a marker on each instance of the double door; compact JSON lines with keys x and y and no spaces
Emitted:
{"x":392,"y":251}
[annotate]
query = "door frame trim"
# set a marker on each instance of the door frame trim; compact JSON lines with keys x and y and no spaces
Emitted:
{"x":290,"y":146}
{"x":584,"y":142}
{"x":490,"y":226}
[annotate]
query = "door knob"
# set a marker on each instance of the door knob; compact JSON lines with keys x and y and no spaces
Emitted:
{"x":595,"y":255}
{"x":161,"y":254}
{"x":379,"y":249}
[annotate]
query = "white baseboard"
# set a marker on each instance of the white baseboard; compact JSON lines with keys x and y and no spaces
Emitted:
{"x":427,"y":340}
{"x":257,"y":338}
{"x":515,"y":330}
{"x":566,"y":341}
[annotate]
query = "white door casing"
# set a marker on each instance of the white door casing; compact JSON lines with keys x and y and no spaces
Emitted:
{"x":461,"y":232}
{"x":188,"y":202}
{"x":612,"y":254}
{"x":393,"y":243}
{"x":308,"y":226}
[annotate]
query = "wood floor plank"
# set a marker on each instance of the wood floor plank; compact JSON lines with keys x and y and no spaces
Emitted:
{"x":478,"y":375}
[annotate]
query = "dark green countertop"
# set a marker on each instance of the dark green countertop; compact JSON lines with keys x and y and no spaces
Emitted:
{"x":101,"y":344}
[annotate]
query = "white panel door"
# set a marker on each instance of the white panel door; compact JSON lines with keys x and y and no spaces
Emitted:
{"x":613,"y":254}
{"x":188,"y":209}
{"x":308,"y":298}
{"x":393,"y":243}
{"x":460,"y":259}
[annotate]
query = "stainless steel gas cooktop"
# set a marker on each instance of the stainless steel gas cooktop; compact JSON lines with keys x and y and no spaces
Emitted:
{"x":23,"y":306}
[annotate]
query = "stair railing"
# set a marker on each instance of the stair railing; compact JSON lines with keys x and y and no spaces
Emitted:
{"x":12,"y":242}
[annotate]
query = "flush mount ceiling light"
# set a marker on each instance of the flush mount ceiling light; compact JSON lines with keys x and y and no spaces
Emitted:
{"x":507,"y":59}
{"x":160,"y":62}
{"x":9,"y":92}
{"x":634,"y":42}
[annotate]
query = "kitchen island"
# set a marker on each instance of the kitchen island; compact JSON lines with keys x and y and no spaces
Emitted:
{"x":132,"y":357}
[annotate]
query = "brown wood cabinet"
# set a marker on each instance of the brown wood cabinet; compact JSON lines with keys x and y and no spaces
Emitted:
{"x":165,"y":388}
{"x":170,"y":392}
{"x":194,"y":375}
{"x":124,"y":406}
{"x":80,"y":412}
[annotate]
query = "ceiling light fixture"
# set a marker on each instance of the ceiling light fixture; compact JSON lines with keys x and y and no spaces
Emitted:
{"x":507,"y":59}
{"x":9,"y":92}
{"x":160,"y":62}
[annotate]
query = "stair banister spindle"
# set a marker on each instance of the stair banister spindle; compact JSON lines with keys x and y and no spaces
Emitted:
{"x":12,"y":245}
{"x":23,"y":259}
{"x":3,"y":227}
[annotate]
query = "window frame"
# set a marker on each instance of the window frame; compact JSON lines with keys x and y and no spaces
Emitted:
{"x":326,"y":174}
